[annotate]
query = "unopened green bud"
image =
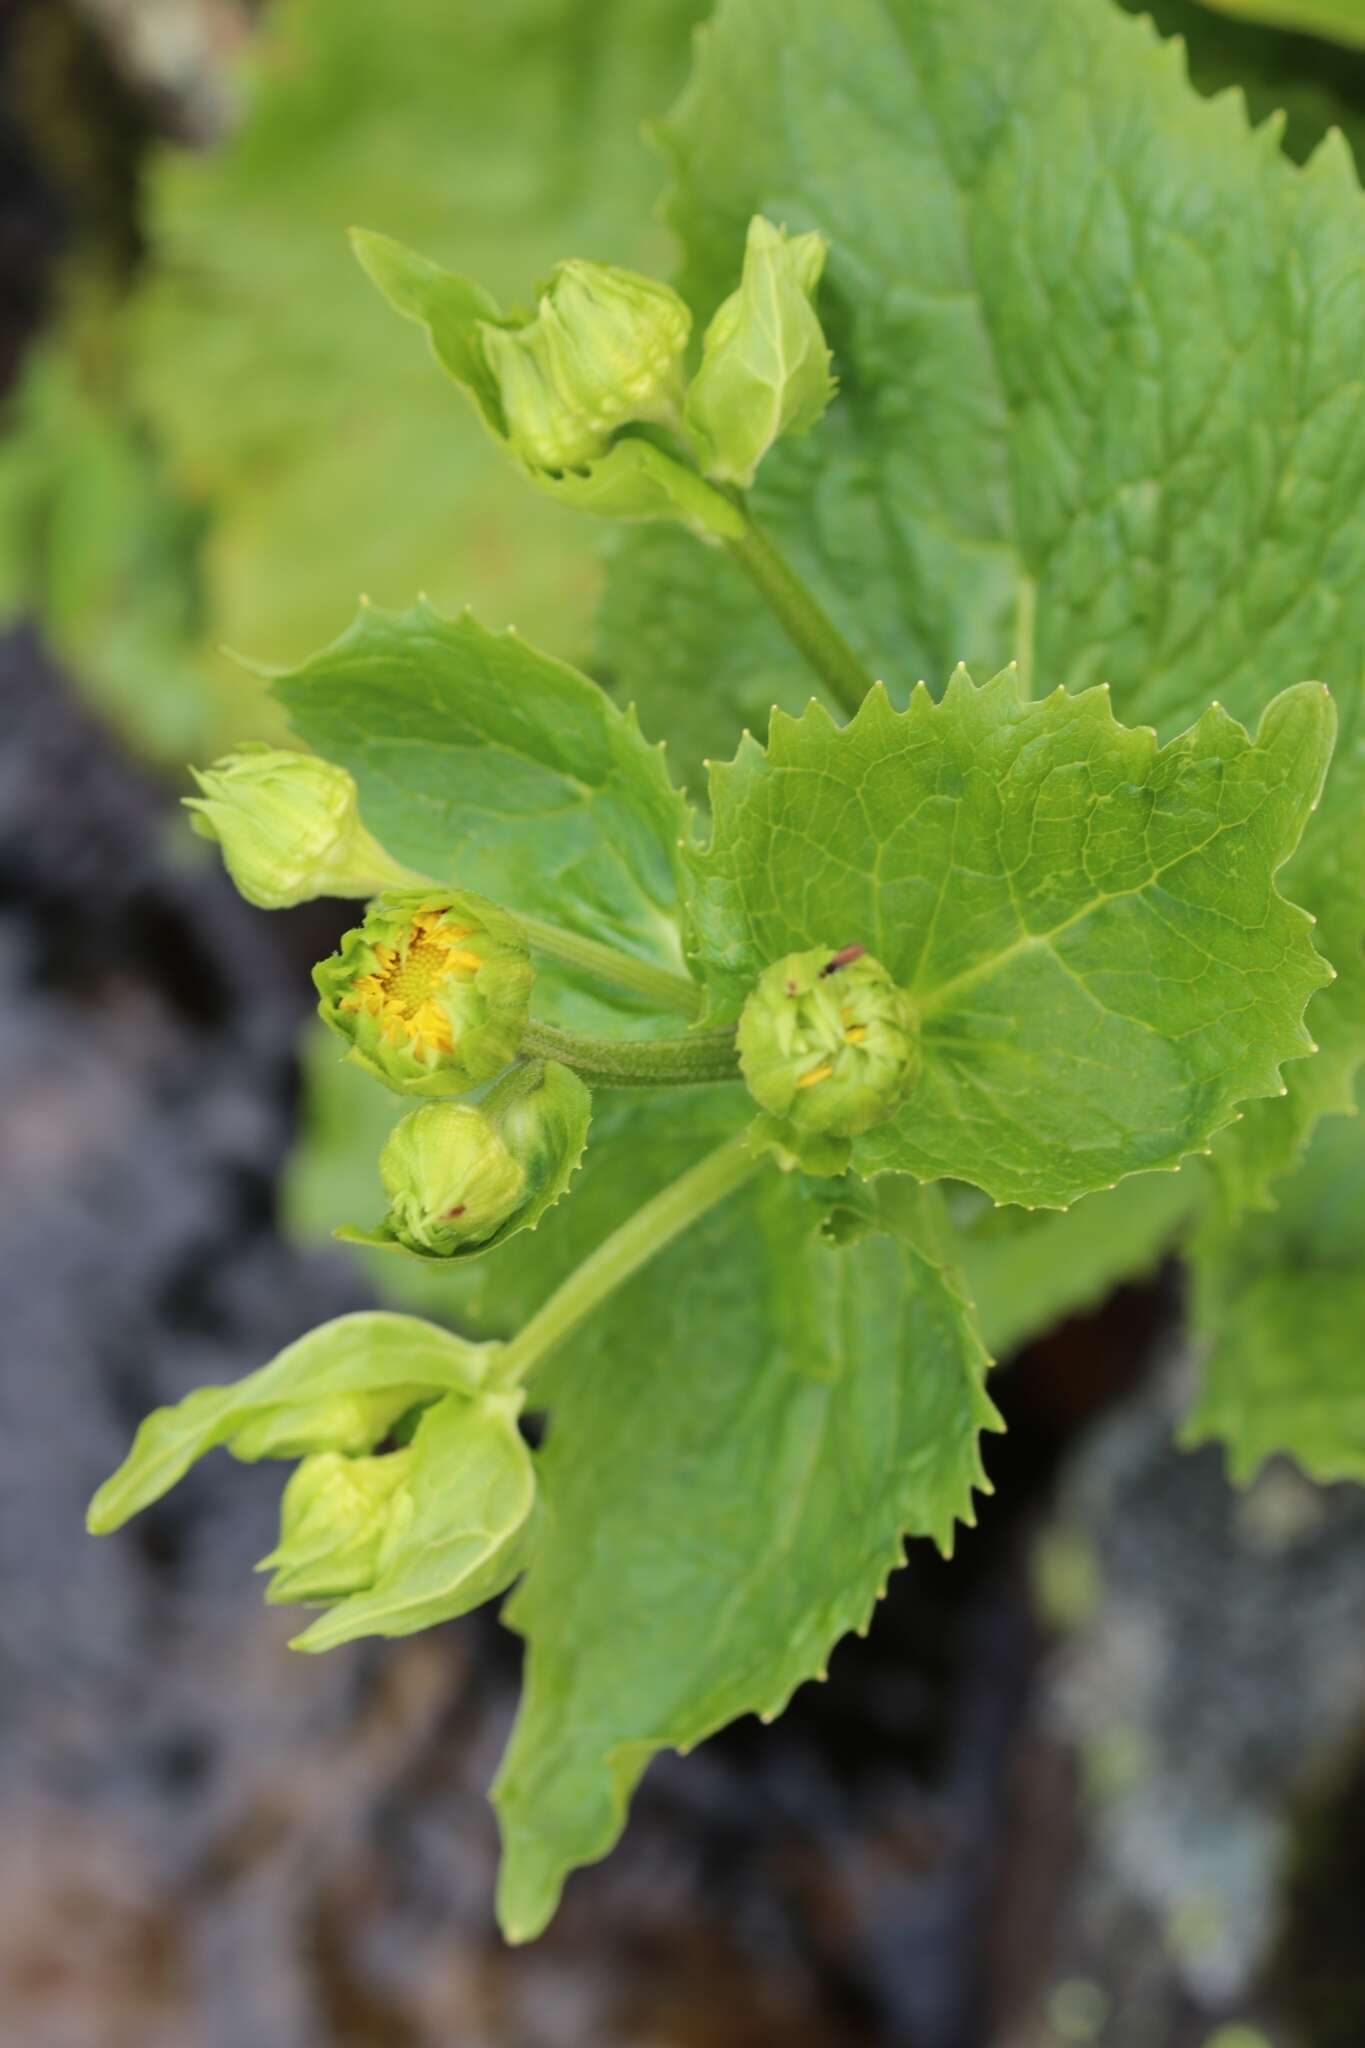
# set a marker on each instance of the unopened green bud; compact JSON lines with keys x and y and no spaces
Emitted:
{"x":605,"y":348}
{"x":449,"y":1177}
{"x":828,"y":1041}
{"x":431,"y":991}
{"x":289,"y":826}
{"x":460,"y":1177}
{"x":765,"y":366}
{"x":333,"y":1518}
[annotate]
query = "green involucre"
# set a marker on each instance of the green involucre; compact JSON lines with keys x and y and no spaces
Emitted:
{"x":431,"y":992}
{"x":827,"y":1042}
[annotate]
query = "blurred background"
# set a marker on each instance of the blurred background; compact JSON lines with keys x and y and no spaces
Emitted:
{"x":1101,"y":1780}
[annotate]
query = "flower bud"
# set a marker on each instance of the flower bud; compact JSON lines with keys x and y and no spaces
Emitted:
{"x":450,"y":1179}
{"x":460,"y":1178}
{"x":765,"y":366}
{"x":334,"y":1515}
{"x":431,"y":991}
{"x":605,"y":347}
{"x":290,"y":828}
{"x":828,"y":1041}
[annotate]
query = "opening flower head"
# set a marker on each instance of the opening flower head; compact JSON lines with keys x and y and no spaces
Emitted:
{"x":828,"y":1041}
{"x":431,"y":991}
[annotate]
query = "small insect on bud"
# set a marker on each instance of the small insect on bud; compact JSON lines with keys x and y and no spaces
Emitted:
{"x":334,"y":1515}
{"x":605,"y":348}
{"x":450,"y":1179}
{"x":431,"y":992}
{"x":827,"y":1041}
{"x":290,"y":828}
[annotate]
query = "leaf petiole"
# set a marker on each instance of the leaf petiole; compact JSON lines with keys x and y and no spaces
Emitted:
{"x":805,"y":622}
{"x":700,"y":1056}
{"x":621,"y":1255}
{"x":661,"y":985}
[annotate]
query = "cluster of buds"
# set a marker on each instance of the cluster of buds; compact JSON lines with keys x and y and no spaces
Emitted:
{"x":289,"y":827}
{"x":431,"y":992}
{"x":591,"y":396}
{"x":828,"y":1043}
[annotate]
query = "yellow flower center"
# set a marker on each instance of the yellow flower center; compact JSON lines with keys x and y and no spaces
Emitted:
{"x":403,"y":991}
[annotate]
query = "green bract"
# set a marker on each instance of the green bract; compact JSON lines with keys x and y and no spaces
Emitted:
{"x":431,"y":992}
{"x":765,"y":365}
{"x":605,"y":348}
{"x":289,"y":826}
{"x":829,"y":1041}
{"x":461,"y":1179}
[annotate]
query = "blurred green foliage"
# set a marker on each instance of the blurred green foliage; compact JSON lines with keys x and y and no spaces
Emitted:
{"x":237,"y":449}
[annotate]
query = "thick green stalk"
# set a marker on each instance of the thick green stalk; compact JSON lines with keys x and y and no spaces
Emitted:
{"x":658,"y":984}
{"x":806,"y":624}
{"x":636,"y":1062}
{"x":671,"y":1212}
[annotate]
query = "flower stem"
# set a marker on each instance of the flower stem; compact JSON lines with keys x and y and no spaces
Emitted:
{"x":636,"y":1062}
{"x":659,"y":984}
{"x":672,"y":1211}
{"x":807,"y":625}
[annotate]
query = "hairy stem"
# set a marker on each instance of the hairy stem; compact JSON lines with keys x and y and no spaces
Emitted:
{"x":636,"y":1062}
{"x":658,"y":984}
{"x":671,"y":1212}
{"x":806,"y":624}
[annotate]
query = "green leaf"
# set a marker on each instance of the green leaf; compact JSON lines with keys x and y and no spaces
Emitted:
{"x":1101,"y":409}
{"x":482,"y":762}
{"x":1342,"y":21}
{"x":1086,"y":922}
{"x":738,"y":1447}
{"x":457,"y":1533}
{"x":1280,"y":1305}
{"x":1025,"y":1272}
{"x":339,"y":1388}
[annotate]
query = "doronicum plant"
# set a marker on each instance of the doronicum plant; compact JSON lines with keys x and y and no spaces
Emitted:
{"x":953,"y":1001}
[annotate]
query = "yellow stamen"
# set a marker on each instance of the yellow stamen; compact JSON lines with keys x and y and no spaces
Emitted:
{"x":856,"y":1033}
{"x":403,"y":993}
{"x":820,"y":1073}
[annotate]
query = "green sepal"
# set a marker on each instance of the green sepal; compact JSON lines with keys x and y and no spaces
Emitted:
{"x":765,"y":363}
{"x":635,"y":479}
{"x":333,"y":1515}
{"x":458,"y":1528}
{"x":792,"y":1149}
{"x":540,"y":1113}
{"x":340,"y":1388}
{"x":472,"y":1015}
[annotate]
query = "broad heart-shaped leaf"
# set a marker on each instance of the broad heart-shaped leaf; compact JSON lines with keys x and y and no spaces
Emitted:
{"x":1087,"y":923}
{"x":1280,"y":1306}
{"x":482,"y":762}
{"x":1099,"y":350}
{"x":340,"y":1388}
{"x":458,"y":1533}
{"x":738,"y":1446}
